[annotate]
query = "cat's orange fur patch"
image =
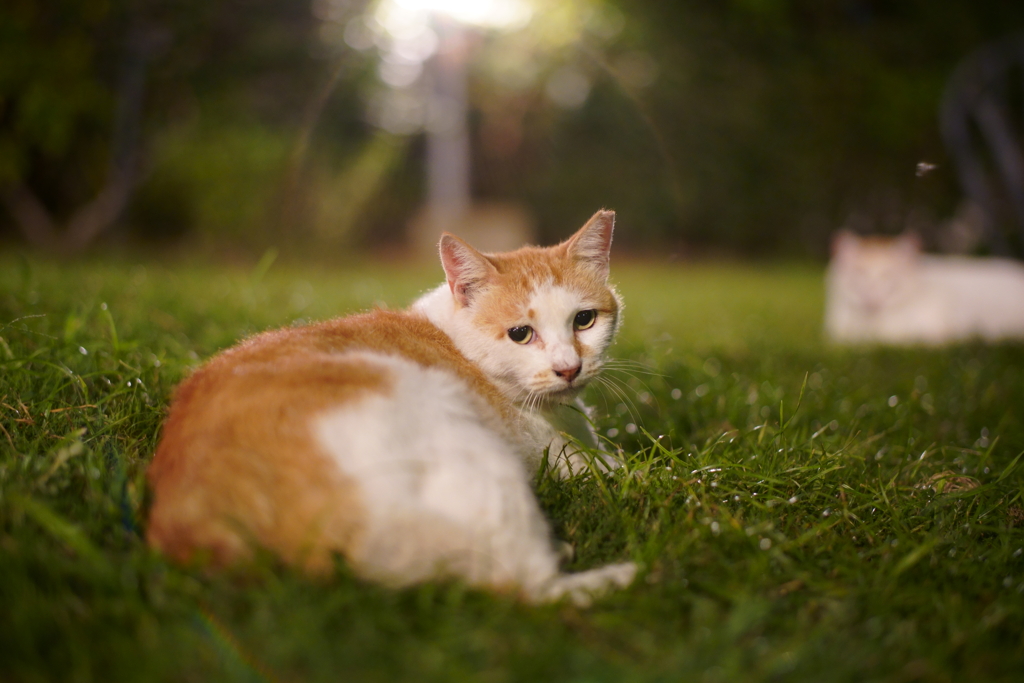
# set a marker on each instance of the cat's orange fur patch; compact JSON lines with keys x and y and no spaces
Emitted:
{"x":237,"y":465}
{"x":521,"y":272}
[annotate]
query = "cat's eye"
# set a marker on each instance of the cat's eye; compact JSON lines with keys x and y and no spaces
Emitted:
{"x":521,"y":335}
{"x":584,"y":320}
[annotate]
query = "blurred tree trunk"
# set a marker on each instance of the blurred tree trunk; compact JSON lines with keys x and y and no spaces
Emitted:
{"x":36,"y":222}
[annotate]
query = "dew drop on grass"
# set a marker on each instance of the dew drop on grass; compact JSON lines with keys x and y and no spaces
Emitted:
{"x":765,"y":543}
{"x":81,"y":350}
{"x":714,"y":484}
{"x":702,"y":390}
{"x":826,"y":512}
{"x":612,"y":433}
{"x":716,"y":528}
{"x":1018,"y":552}
{"x":893,"y":400}
{"x":631,"y":428}
{"x":736,"y":499}
{"x":793,"y":500}
{"x":677,"y":394}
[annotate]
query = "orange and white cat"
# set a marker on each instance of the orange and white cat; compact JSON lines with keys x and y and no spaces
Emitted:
{"x":402,"y":440}
{"x":884,"y":290}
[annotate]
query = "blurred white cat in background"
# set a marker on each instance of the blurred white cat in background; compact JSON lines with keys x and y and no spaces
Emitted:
{"x":883,"y":290}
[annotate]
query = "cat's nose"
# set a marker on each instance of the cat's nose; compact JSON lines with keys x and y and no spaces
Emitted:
{"x":569,"y":374}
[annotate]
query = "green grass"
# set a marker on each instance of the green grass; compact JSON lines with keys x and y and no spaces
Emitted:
{"x":801,"y":512}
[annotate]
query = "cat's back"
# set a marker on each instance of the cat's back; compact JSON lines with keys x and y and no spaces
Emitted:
{"x":304,"y":356}
{"x":983,"y":297}
{"x":967,"y":272}
{"x":289,"y":430}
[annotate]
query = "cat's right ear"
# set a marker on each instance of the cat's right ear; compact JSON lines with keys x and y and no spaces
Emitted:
{"x":466,"y":268}
{"x":593,"y":242}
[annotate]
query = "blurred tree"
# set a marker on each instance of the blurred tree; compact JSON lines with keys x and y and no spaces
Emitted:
{"x":751,"y":125}
{"x":90,"y":89}
{"x":72,"y":84}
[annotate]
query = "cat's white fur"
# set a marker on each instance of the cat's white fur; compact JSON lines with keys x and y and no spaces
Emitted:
{"x":460,"y":502}
{"x":520,"y":372}
{"x":445,"y":492}
{"x":886,"y":291}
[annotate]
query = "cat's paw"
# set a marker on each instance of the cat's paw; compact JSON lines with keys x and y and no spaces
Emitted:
{"x":581,"y":588}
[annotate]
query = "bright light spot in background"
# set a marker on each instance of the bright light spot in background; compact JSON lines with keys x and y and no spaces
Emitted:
{"x":399,"y":73}
{"x":568,"y":87}
{"x":398,"y":111}
{"x":532,"y":40}
{"x":503,"y":14}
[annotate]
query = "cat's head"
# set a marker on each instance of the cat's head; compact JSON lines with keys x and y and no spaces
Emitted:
{"x":873,"y":272}
{"x":536,"y":320}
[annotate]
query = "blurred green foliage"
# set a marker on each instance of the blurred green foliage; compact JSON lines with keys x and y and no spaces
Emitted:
{"x":768,"y":122}
{"x":53,"y":108}
{"x":220,"y":179}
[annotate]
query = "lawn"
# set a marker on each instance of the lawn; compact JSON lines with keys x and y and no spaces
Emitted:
{"x":801,"y":512}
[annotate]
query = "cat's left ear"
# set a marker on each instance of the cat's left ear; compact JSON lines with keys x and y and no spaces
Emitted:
{"x":466,"y":268}
{"x":592,"y":244}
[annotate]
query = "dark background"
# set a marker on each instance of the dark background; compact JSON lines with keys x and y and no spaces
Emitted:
{"x":767,"y":126}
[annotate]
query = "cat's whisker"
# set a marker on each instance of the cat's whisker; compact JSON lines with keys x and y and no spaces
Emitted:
{"x":622,"y":397}
{"x":631,"y":375}
{"x":624,"y":391}
{"x":611,"y":394}
{"x":621,"y":365}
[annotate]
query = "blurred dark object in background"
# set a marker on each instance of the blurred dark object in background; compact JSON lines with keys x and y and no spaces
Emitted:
{"x":983,"y":127}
